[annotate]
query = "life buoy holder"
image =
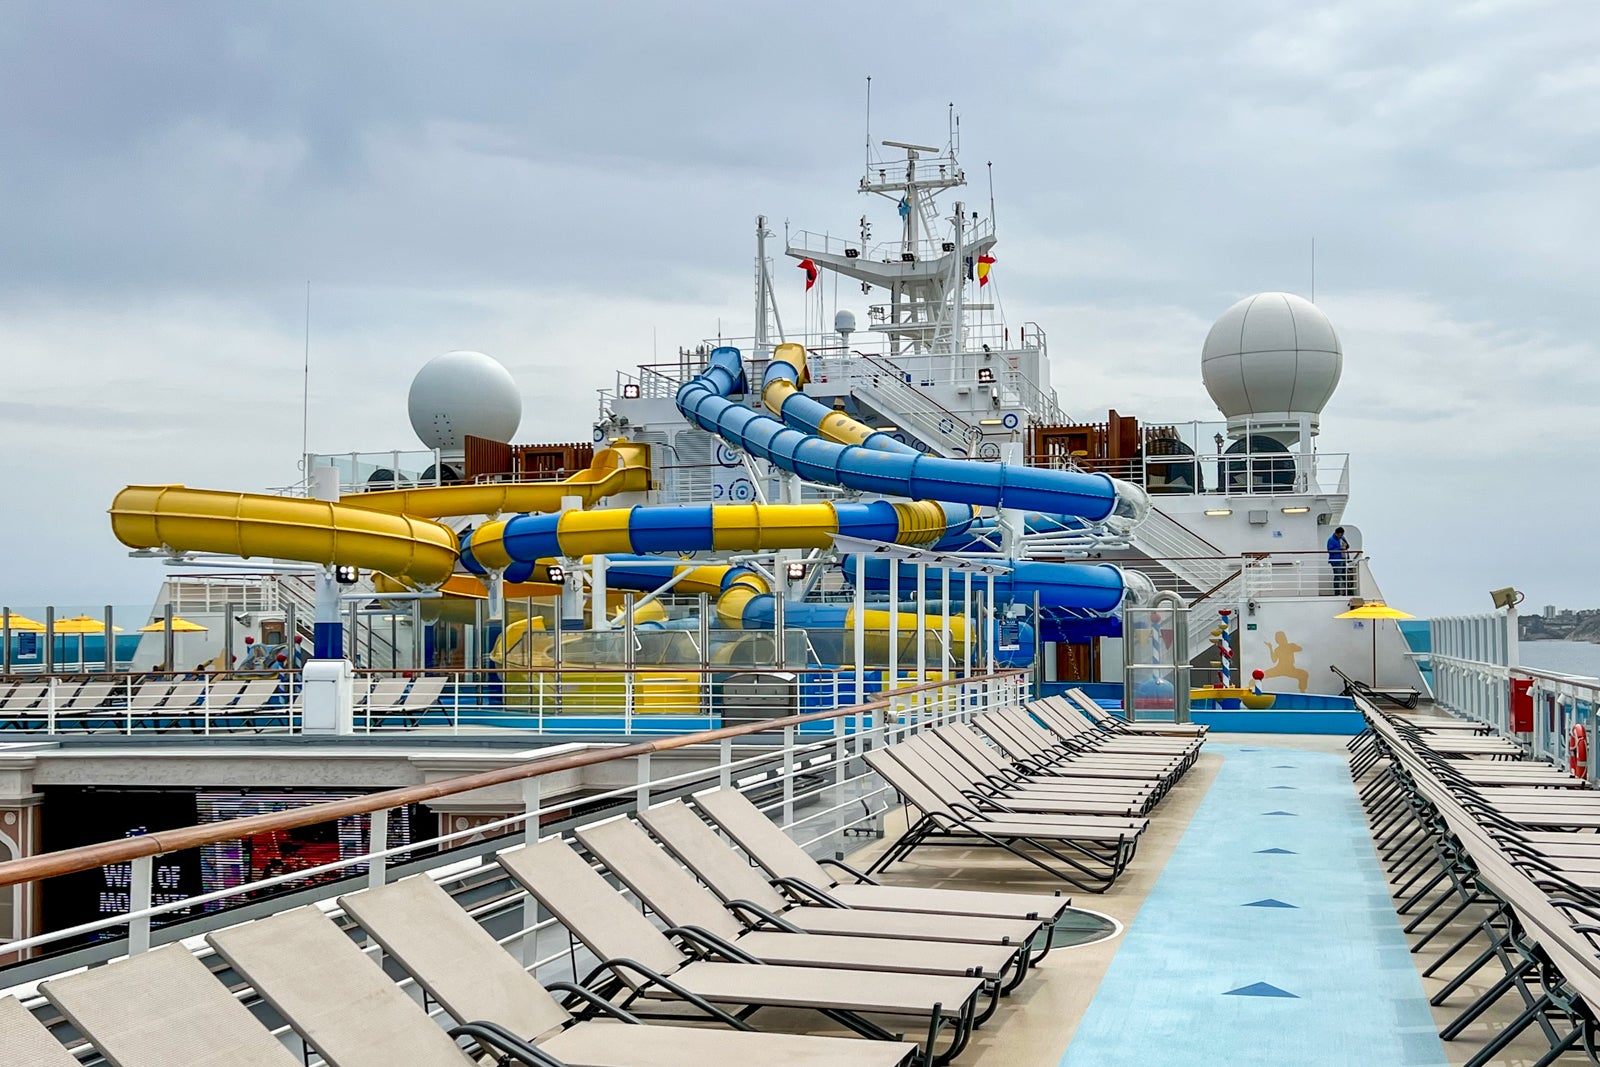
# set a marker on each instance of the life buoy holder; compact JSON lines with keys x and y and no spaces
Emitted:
{"x":1578,"y":750}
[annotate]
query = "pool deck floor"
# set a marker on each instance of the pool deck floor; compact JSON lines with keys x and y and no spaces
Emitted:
{"x":1259,"y":931}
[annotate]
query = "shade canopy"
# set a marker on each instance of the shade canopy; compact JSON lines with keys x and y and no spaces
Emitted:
{"x":180,"y":625}
{"x":23,"y":624}
{"x":82,"y":624}
{"x":1375,"y":609}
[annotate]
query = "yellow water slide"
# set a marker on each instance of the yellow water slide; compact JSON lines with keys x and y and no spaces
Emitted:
{"x":390,"y":532}
{"x":417,"y":551}
{"x":624,"y":467}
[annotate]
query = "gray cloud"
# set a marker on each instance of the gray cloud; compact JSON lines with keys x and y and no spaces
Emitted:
{"x":556,"y":184}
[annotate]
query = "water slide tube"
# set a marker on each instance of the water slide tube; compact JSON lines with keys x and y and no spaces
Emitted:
{"x":744,"y":598}
{"x":879,"y":464}
{"x":624,"y":467}
{"x":415,"y":550}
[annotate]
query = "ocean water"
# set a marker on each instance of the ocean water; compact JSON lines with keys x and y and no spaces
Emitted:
{"x":1564,"y":657}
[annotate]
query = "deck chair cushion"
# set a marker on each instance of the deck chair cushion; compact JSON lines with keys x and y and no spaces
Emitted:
{"x":333,"y":994}
{"x":164,"y":1008}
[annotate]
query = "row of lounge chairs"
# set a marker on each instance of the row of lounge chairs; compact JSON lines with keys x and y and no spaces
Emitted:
{"x":747,"y":930}
{"x":1058,"y":784}
{"x":23,"y":701}
{"x":185,"y":702}
{"x":1491,"y":857}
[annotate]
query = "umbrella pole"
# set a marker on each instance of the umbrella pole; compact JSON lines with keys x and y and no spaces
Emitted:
{"x":1374,"y":653}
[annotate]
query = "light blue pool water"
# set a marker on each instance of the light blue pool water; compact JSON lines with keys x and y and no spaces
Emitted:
{"x":1269,"y":938}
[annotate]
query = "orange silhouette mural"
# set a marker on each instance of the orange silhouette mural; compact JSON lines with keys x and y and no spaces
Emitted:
{"x":1283,"y":664}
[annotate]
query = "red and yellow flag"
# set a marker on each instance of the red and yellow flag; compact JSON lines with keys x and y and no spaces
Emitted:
{"x":984,"y":263}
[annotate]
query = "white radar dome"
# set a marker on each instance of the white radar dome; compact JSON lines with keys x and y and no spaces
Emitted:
{"x":462,"y":393}
{"x":1271,"y":360}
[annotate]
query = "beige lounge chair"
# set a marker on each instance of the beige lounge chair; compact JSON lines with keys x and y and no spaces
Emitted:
{"x":766,"y":843}
{"x":638,"y":958}
{"x":26,"y":1042}
{"x":672,"y":893}
{"x":1079,"y":701}
{"x":1085,"y":851}
{"x":342,"y":1003}
{"x":164,"y":1008}
{"x":745,"y":888}
{"x":462,"y":967}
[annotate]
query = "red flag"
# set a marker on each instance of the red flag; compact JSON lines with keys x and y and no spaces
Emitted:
{"x":811,"y":272}
{"x":984,"y":263}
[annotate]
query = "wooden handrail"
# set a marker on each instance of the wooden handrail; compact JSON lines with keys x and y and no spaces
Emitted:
{"x":122,"y":850}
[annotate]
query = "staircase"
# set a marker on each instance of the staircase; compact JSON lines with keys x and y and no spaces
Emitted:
{"x":1186,"y":554}
{"x":302,"y":593}
{"x":886,"y":390}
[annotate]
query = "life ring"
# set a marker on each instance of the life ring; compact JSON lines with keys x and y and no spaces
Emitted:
{"x":1578,"y":751}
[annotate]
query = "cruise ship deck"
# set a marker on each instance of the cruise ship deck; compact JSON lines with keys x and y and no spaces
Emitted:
{"x":1255,"y":924}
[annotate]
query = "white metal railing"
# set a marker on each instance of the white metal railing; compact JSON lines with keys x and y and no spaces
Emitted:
{"x":1473,"y":657}
{"x":1181,"y":551}
{"x":806,"y":775}
{"x":931,"y":422}
{"x":149,"y":703}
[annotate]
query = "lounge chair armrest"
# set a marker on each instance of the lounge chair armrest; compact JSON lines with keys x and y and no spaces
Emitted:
{"x":804,"y":891}
{"x":860,"y":877}
{"x":709,"y":944}
{"x":593,"y":999}
{"x":506,"y":1046}
{"x":617,"y":964}
{"x":760,"y":917}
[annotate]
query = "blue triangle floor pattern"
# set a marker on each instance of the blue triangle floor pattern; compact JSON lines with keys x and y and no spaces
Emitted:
{"x":1200,"y":980}
{"x":1260,"y":989}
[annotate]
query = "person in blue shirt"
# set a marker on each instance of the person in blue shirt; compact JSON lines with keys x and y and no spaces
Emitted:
{"x":1339,"y":560}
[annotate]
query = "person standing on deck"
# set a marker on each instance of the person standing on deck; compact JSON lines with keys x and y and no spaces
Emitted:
{"x":1339,"y":560}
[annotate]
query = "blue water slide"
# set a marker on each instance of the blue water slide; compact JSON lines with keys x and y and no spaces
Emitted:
{"x":704,"y":402}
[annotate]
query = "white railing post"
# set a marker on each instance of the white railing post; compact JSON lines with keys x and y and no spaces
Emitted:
{"x":140,"y":890}
{"x":377,"y":842}
{"x":725,"y":762}
{"x":527,"y":950}
{"x":789,"y":771}
{"x":642,"y":796}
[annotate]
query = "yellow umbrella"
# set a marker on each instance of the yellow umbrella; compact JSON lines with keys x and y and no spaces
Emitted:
{"x":80,"y":625}
{"x":1374,"y":610}
{"x":23,"y":624}
{"x":83,"y":624}
{"x":180,"y":625}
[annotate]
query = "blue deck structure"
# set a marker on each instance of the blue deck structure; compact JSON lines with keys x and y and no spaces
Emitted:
{"x":1269,"y":939}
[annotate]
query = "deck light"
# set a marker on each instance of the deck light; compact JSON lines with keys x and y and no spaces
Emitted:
{"x":797,"y":571}
{"x":557,"y":574}
{"x":989,"y":422}
{"x":1295,"y":511}
{"x":1219,"y":511}
{"x":985,"y":374}
{"x":630,"y":391}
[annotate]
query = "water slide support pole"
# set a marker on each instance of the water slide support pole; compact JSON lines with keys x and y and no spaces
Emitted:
{"x":944,"y":623}
{"x":328,"y":639}
{"x":989,"y":622}
{"x":966,"y":639}
{"x":600,"y":618}
{"x":705,"y":651}
{"x":893,"y":681}
{"x":922,"y":620}
{"x":419,"y":644}
{"x":778,"y":623}
{"x":860,"y":621}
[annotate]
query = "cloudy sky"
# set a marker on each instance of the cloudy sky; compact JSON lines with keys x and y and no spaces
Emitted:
{"x":565,"y":186}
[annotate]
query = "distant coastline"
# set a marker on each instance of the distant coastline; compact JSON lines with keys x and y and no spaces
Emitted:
{"x":1561,"y":626}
